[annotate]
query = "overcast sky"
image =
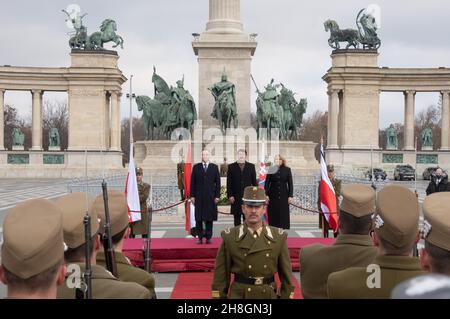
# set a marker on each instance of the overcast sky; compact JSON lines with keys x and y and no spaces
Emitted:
{"x":292,"y":43}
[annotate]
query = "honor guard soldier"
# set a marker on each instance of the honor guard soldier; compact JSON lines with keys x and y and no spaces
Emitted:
{"x":435,"y":256}
{"x":396,"y":232}
{"x":353,"y":246}
{"x":104,"y":284}
{"x":32,"y":258}
{"x":119,"y":231}
{"x":253,"y":252}
{"x":141,"y":227}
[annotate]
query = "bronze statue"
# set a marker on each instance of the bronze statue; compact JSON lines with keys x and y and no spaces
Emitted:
{"x":224,"y":110}
{"x":170,"y":108}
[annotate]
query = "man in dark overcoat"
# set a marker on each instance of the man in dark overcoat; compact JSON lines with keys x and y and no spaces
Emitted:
{"x":205,"y":194}
{"x":240,"y":175}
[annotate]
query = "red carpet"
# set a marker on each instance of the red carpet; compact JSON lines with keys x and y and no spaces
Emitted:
{"x":183,"y":254}
{"x":198,"y":286}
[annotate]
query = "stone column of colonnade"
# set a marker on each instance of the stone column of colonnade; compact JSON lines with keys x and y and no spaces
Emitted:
{"x":445,"y":121}
{"x":36,"y":137}
{"x":333,"y":118}
{"x":115,"y":121}
{"x":2,"y":120}
{"x":409,"y":120}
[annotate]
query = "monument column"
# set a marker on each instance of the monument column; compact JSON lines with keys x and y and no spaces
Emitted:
{"x":107,"y":126}
{"x":36,"y":140}
{"x":409,"y":120}
{"x":445,"y":121}
{"x":2,"y":120}
{"x":333,"y":120}
{"x":115,"y":121}
{"x":224,"y":16}
{"x":224,"y":46}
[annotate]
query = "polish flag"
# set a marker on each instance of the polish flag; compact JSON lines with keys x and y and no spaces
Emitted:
{"x":131,"y":191}
{"x":327,"y":195}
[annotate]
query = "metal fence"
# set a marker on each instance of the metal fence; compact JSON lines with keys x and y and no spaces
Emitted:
{"x":165,"y":192}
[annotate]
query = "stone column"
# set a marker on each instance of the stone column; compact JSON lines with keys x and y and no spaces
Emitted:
{"x":333,"y":120}
{"x":36,"y":139}
{"x":409,"y":121}
{"x":445,"y":121}
{"x":115,"y":121}
{"x":107,"y":123}
{"x":2,"y":120}
{"x":224,"y":16}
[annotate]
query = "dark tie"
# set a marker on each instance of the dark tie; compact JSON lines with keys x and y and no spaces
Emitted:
{"x":204,"y":167}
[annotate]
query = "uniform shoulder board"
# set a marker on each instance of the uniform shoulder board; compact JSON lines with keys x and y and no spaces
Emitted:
{"x":227,"y":230}
{"x":281,"y":231}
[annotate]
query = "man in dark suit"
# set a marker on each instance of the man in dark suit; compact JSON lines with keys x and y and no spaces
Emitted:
{"x":205,"y":194}
{"x":240,"y":175}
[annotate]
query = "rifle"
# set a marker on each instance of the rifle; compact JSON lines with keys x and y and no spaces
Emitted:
{"x":148,"y":257}
{"x":415,"y":248}
{"x":87,"y":270}
{"x":110,"y":256}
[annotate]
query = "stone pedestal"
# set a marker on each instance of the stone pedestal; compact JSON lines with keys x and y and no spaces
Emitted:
{"x":90,"y":124}
{"x":54,"y":148}
{"x":353,"y":105}
{"x":427,"y":148}
{"x":161,"y":157}
{"x":18,"y":148}
{"x":224,"y":46}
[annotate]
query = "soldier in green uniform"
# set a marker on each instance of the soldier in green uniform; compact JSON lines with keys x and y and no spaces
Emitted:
{"x":119,"y":231}
{"x":353,"y":246}
{"x":337,"y":189}
{"x":180,"y":178}
{"x":104,"y":284}
{"x":436,"y":233}
{"x":141,"y":227}
{"x":396,"y":232}
{"x":253,"y":253}
{"x":32,"y":257}
{"x":435,"y":257}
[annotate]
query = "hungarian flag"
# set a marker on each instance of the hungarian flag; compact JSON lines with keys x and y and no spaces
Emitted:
{"x":131,"y":191}
{"x":262,"y":181}
{"x":327,"y":195}
{"x":189,"y":207}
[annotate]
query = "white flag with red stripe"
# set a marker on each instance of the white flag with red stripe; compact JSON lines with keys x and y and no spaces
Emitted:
{"x":328,"y":202}
{"x":131,"y":191}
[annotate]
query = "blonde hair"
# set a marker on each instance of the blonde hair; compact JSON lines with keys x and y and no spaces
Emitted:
{"x":282,"y":159}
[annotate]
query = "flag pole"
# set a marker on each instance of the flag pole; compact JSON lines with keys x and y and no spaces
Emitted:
{"x":131,"y":96}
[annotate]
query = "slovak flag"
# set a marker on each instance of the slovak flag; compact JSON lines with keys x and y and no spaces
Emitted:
{"x":131,"y":191}
{"x":262,"y":181}
{"x":327,"y":195}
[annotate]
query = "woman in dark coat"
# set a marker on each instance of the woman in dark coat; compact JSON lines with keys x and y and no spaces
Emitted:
{"x":279,"y":189}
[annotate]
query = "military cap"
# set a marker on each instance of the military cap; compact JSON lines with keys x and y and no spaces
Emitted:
{"x":430,"y":286}
{"x":397,"y":215}
{"x":436,"y":228}
{"x":118,"y":211}
{"x":358,"y":200}
{"x":32,"y":238}
{"x":139,"y":171}
{"x":254,"y":196}
{"x":74,"y":207}
{"x":330,"y":168}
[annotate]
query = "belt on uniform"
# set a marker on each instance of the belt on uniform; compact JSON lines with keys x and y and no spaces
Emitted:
{"x":256,"y":281}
